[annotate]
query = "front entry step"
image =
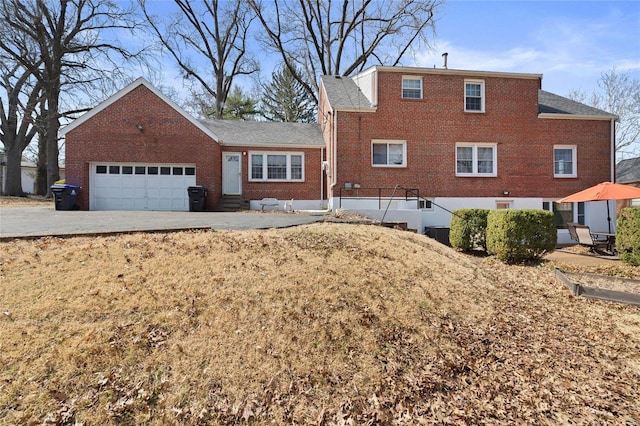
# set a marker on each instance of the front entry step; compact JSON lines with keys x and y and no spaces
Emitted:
{"x":232,"y":203}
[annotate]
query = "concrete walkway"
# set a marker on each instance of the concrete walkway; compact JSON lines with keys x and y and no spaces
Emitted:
{"x":20,"y":222}
{"x":565,"y":256}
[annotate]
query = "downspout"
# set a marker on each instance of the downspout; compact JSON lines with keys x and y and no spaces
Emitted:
{"x":321,"y":177}
{"x":334,"y":172}
{"x":613,"y":150}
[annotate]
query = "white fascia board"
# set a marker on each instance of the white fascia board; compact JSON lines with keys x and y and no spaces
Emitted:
{"x":557,"y":116}
{"x":269,"y":145}
{"x":361,"y":109}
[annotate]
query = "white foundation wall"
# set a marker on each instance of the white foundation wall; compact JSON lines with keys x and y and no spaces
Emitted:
{"x":595,"y":213}
{"x":295,"y":205}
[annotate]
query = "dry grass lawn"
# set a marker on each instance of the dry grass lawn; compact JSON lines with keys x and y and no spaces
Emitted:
{"x":28,"y":201}
{"x":320,"y":324}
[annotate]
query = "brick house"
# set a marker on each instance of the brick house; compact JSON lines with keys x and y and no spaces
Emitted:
{"x":408,"y":144}
{"x":445,"y":139}
{"x":138,"y":150}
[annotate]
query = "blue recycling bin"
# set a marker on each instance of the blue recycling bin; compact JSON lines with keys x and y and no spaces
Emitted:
{"x":65,"y":196}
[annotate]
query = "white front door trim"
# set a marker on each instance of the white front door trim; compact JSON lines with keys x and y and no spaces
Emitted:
{"x":231,"y":173}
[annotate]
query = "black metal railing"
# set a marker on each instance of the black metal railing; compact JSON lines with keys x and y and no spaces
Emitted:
{"x":379,"y":193}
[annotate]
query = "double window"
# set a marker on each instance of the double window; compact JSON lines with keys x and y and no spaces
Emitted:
{"x":385,"y":153}
{"x":476,"y":159}
{"x":474,"y":96}
{"x":564,"y":161}
{"x":411,"y":88}
{"x":272,"y":166}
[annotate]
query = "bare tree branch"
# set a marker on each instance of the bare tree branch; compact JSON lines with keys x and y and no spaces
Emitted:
{"x":618,"y":93}
{"x":208,"y":36}
{"x":68,"y":50}
{"x":340,"y":37}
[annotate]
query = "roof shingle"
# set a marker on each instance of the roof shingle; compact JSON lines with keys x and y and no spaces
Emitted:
{"x":266,"y":133}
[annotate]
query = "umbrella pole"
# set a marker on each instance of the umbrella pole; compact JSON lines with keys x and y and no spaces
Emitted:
{"x":608,"y":216}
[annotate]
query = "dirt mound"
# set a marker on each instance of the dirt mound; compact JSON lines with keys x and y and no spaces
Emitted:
{"x":327,"y":324}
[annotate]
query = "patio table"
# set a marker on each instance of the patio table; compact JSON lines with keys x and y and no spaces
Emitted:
{"x":611,"y":239}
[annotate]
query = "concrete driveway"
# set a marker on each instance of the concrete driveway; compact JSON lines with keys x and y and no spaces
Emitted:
{"x":19,"y":222}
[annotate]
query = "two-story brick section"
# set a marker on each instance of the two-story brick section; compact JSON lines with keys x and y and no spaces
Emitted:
{"x":444,"y":139}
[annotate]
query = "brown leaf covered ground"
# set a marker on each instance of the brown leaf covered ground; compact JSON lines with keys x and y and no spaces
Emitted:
{"x":321,"y":324}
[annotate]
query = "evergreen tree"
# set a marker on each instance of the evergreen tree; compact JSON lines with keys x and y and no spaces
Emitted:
{"x":285,"y":99}
{"x":238,"y":106}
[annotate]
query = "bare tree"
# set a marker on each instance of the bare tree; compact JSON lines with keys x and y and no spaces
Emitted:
{"x":69,"y":50}
{"x":208,"y":36}
{"x":327,"y":37}
{"x":17,"y":118}
{"x":618,"y":93}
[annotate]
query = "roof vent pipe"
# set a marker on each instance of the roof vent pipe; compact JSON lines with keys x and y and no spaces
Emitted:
{"x":444,"y":60}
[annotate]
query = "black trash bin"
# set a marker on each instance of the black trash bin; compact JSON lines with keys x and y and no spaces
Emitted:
{"x":197,"y":198}
{"x":65,"y":196}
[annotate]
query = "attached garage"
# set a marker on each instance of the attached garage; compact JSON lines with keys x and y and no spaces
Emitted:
{"x":141,"y":186}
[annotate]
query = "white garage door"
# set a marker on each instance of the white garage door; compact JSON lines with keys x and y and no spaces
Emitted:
{"x":138,"y":186}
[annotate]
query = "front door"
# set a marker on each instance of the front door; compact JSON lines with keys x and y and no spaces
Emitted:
{"x":231,"y":174}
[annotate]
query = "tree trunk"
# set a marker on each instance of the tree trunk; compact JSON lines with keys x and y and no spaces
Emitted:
{"x":41,"y":166}
{"x":13,"y":182}
{"x":53,"y":125}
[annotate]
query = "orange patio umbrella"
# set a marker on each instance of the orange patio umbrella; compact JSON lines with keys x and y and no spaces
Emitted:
{"x":604,"y":191}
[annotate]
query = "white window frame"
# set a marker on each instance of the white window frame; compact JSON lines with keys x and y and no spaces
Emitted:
{"x":574,"y":159}
{"x":474,"y":159}
{"x":390,"y":142}
{"x":482,"y":97}
{"x":504,"y":204}
{"x":265,"y":174}
{"x":423,"y":202}
{"x":410,"y":78}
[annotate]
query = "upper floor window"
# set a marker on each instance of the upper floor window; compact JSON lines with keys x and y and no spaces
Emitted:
{"x":388,"y":153}
{"x":564,"y":161}
{"x":272,"y":166}
{"x":474,"y":159}
{"x":412,"y":87}
{"x":474,"y":96}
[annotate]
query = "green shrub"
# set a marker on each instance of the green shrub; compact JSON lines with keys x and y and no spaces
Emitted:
{"x":628,"y":236}
{"x":515,"y":236}
{"x":469,"y":229}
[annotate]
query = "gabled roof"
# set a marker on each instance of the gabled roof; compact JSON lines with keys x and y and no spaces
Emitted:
{"x":123,"y":92}
{"x":344,"y":94}
{"x":628,"y":171}
{"x":266,"y":133}
{"x":554,"y":106}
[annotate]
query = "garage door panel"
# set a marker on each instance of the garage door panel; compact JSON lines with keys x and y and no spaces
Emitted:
{"x":140,"y":186}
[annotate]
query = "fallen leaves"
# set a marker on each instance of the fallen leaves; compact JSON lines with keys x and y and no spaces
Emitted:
{"x":322,"y":324}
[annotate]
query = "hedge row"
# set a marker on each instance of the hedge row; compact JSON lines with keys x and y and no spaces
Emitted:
{"x":512,"y":235}
{"x":628,"y":236}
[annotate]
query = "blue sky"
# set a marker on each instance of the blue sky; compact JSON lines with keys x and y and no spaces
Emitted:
{"x":570,"y":42}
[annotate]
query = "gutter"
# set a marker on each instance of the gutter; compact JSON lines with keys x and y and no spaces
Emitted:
{"x":613,"y":150}
{"x":334,"y":166}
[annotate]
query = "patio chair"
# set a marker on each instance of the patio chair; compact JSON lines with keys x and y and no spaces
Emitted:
{"x":585,"y":238}
{"x":571,"y":227}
